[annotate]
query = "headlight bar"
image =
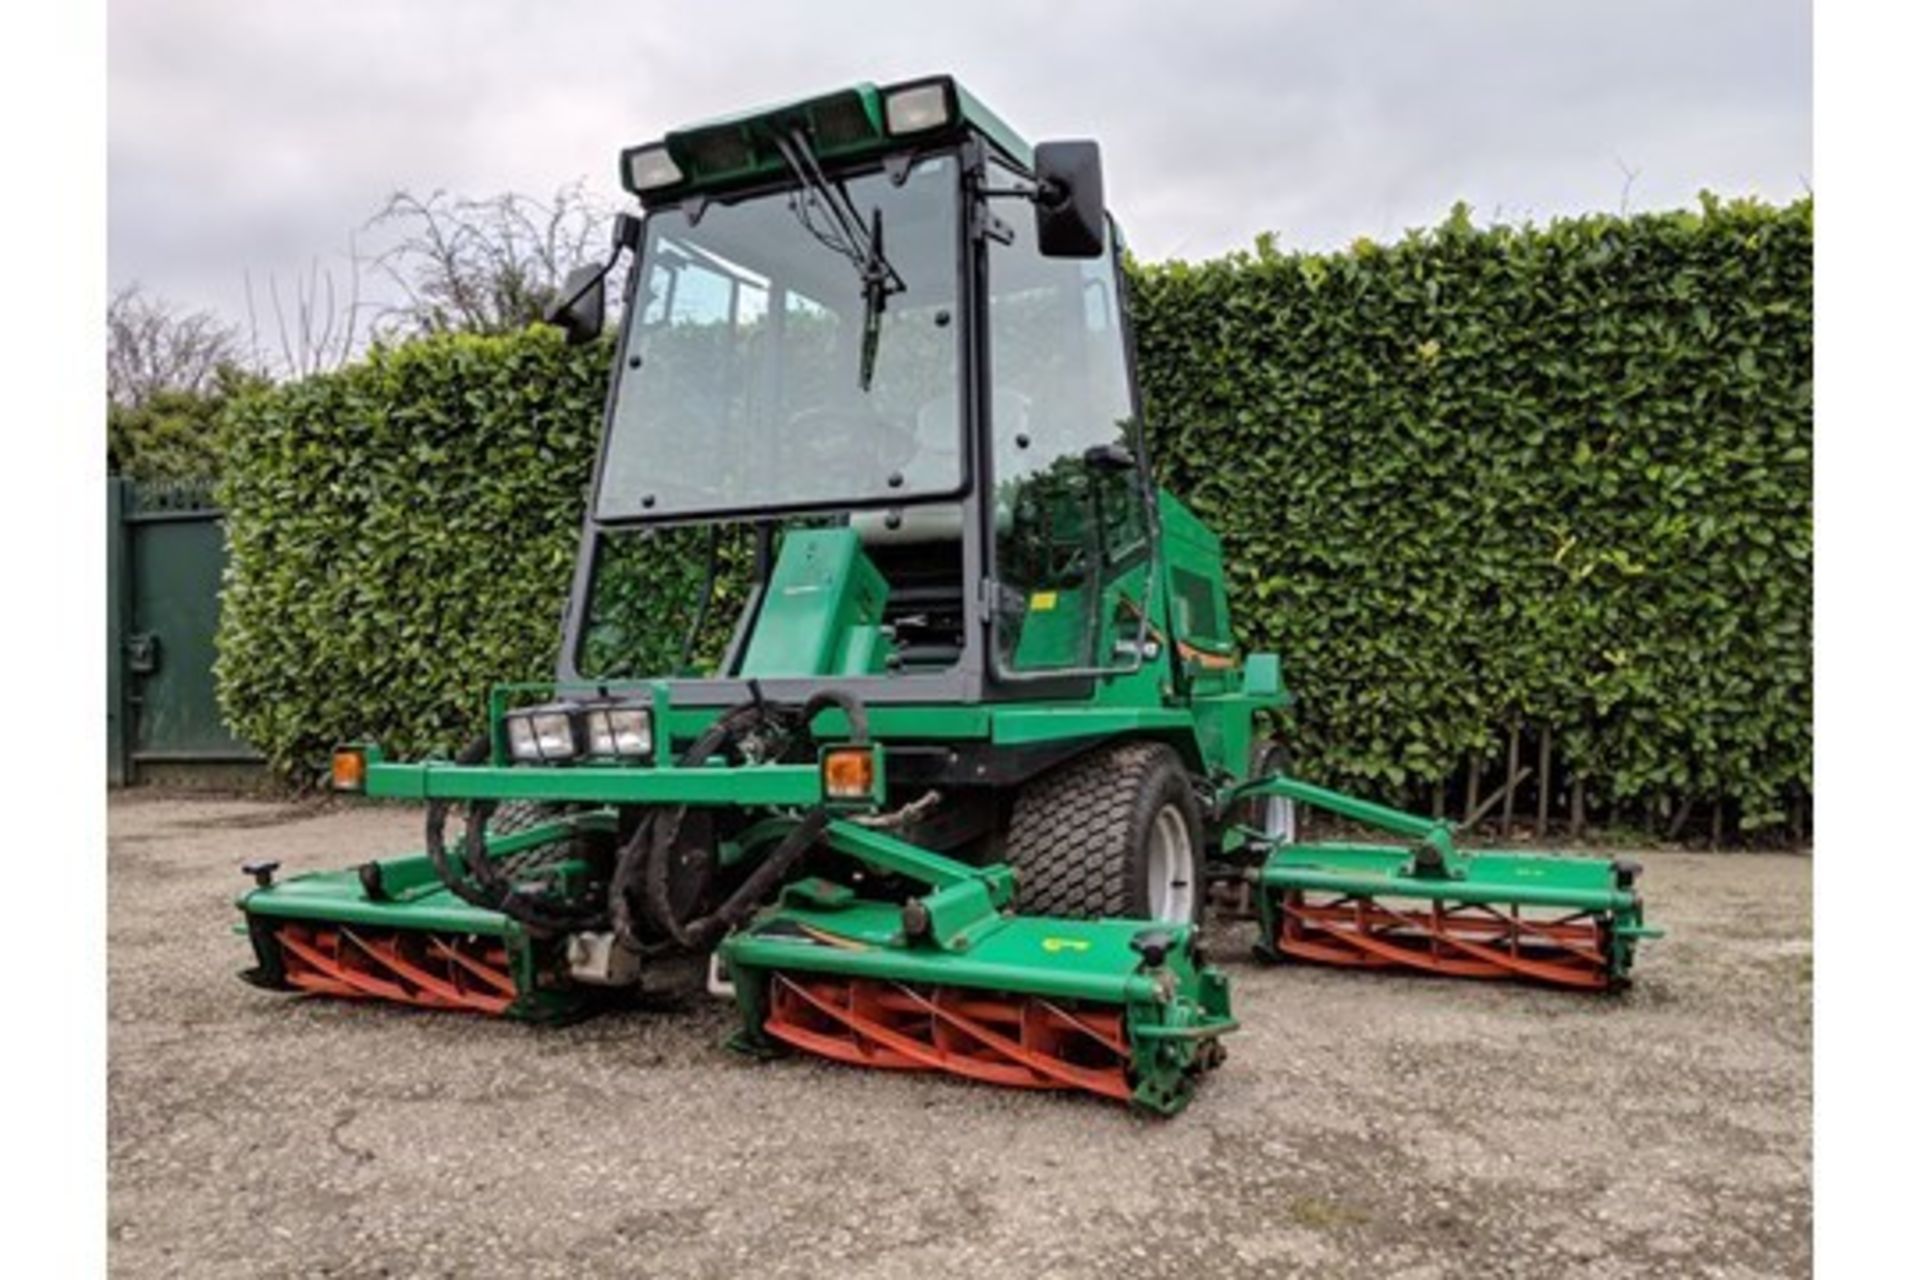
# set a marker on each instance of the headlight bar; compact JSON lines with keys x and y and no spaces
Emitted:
{"x":560,"y":732}
{"x":624,"y":733}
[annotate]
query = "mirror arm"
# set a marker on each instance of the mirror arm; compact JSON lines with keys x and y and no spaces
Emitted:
{"x":561,"y":306}
{"x":626,"y":236}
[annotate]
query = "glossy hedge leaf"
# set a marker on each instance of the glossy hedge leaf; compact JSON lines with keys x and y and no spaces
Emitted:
{"x":1556,"y":474}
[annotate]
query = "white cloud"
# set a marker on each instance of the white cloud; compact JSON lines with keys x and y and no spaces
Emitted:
{"x":255,"y":133}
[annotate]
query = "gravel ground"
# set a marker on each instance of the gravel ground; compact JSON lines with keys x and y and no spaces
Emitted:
{"x":1363,"y":1125}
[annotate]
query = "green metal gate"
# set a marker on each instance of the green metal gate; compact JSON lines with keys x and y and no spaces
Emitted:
{"x":165,"y":553}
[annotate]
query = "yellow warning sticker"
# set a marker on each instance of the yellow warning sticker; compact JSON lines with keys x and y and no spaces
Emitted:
{"x":1056,"y":945}
{"x":1041,"y":601}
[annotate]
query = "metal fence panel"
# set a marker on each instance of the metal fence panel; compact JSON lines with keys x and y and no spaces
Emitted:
{"x":166,"y":551}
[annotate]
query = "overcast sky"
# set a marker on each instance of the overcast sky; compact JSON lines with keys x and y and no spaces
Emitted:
{"x":255,"y":133}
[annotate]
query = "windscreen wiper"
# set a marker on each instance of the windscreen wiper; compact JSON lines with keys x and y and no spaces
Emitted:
{"x":849,"y":236}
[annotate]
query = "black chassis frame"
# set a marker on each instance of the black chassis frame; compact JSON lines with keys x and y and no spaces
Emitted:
{"x":971,"y":679}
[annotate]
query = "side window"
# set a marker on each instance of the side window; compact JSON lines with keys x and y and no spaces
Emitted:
{"x":1195,"y":611}
{"x":1070,"y":527}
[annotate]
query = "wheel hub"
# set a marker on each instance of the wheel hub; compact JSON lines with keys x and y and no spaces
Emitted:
{"x":1170,"y":869}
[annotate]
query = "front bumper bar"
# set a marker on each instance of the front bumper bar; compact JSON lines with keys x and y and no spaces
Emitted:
{"x":751,"y":786}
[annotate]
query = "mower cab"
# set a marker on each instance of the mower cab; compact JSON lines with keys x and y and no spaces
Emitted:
{"x":890,"y":689}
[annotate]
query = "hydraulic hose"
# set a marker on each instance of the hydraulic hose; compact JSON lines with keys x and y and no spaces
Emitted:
{"x":648,"y":856}
{"x":643,"y":869}
{"x":473,"y":753}
{"x":643,"y":861}
{"x":855,"y":709}
{"x":488,"y":888}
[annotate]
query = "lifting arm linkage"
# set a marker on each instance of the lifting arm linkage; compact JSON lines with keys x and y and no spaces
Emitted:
{"x":1434,"y":854}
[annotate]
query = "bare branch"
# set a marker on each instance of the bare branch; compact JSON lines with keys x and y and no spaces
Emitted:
{"x":481,"y":265}
{"x":1626,"y":188}
{"x":153,"y":346}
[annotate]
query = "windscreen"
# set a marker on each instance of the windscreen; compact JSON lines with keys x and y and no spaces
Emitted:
{"x":740,"y":383}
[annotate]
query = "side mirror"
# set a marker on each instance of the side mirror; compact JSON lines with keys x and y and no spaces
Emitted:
{"x":1069,"y":205}
{"x":581,"y":309}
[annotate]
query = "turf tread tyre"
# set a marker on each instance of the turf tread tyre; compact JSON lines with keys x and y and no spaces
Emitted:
{"x":1078,"y":836}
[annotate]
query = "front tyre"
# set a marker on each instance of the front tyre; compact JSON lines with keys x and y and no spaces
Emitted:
{"x":1113,"y":833}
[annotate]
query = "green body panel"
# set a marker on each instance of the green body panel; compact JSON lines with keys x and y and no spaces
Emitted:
{"x":1575,"y":882}
{"x":844,"y":125}
{"x":748,"y":786}
{"x":1433,"y":870}
{"x":1028,"y":955}
{"x":976,"y":116}
{"x":1225,"y":708}
{"x":971,"y":939}
{"x":1127,"y":606}
{"x":1031,"y":724}
{"x":338,"y":898}
{"x":821,"y":612}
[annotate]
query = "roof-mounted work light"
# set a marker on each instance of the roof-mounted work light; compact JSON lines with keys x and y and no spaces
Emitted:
{"x":648,"y":168}
{"x":916,"y":108}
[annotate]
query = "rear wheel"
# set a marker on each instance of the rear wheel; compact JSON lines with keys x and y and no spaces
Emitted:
{"x":1274,"y":817}
{"x":1114,"y":833}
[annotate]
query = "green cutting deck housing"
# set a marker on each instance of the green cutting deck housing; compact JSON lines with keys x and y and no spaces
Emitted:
{"x":960,"y":737}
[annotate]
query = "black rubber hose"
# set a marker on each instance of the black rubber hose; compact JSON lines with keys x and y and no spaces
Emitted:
{"x":740,"y":904}
{"x":436,"y":835}
{"x":653,"y":840}
{"x":856,"y":711}
{"x":534,"y":910}
{"x":653,"y":843}
{"x":488,"y":889}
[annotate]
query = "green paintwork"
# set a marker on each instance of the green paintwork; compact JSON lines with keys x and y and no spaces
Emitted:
{"x":1108,"y":579}
{"x":773,"y":784}
{"x":750,"y":786}
{"x":1547,"y":880}
{"x":339,"y":898}
{"x":973,"y":940}
{"x":166,"y":550}
{"x":1031,"y":724}
{"x":1431,"y":833}
{"x":821,"y":611}
{"x":845,"y":125}
{"x":1434,"y":869}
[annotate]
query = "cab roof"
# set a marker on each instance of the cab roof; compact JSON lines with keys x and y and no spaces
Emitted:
{"x":845,"y":124}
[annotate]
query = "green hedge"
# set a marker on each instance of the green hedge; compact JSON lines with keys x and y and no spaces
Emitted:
{"x":1478,"y":484}
{"x":402,"y":535}
{"x":1555,"y":478}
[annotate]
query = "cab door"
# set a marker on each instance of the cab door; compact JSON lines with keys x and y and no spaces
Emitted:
{"x":1072,"y":565}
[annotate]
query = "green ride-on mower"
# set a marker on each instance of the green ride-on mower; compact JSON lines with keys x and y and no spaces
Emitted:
{"x":948,"y":789}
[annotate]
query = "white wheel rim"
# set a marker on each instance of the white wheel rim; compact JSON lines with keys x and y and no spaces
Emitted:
{"x":1170,"y":871}
{"x":1277,"y":822}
